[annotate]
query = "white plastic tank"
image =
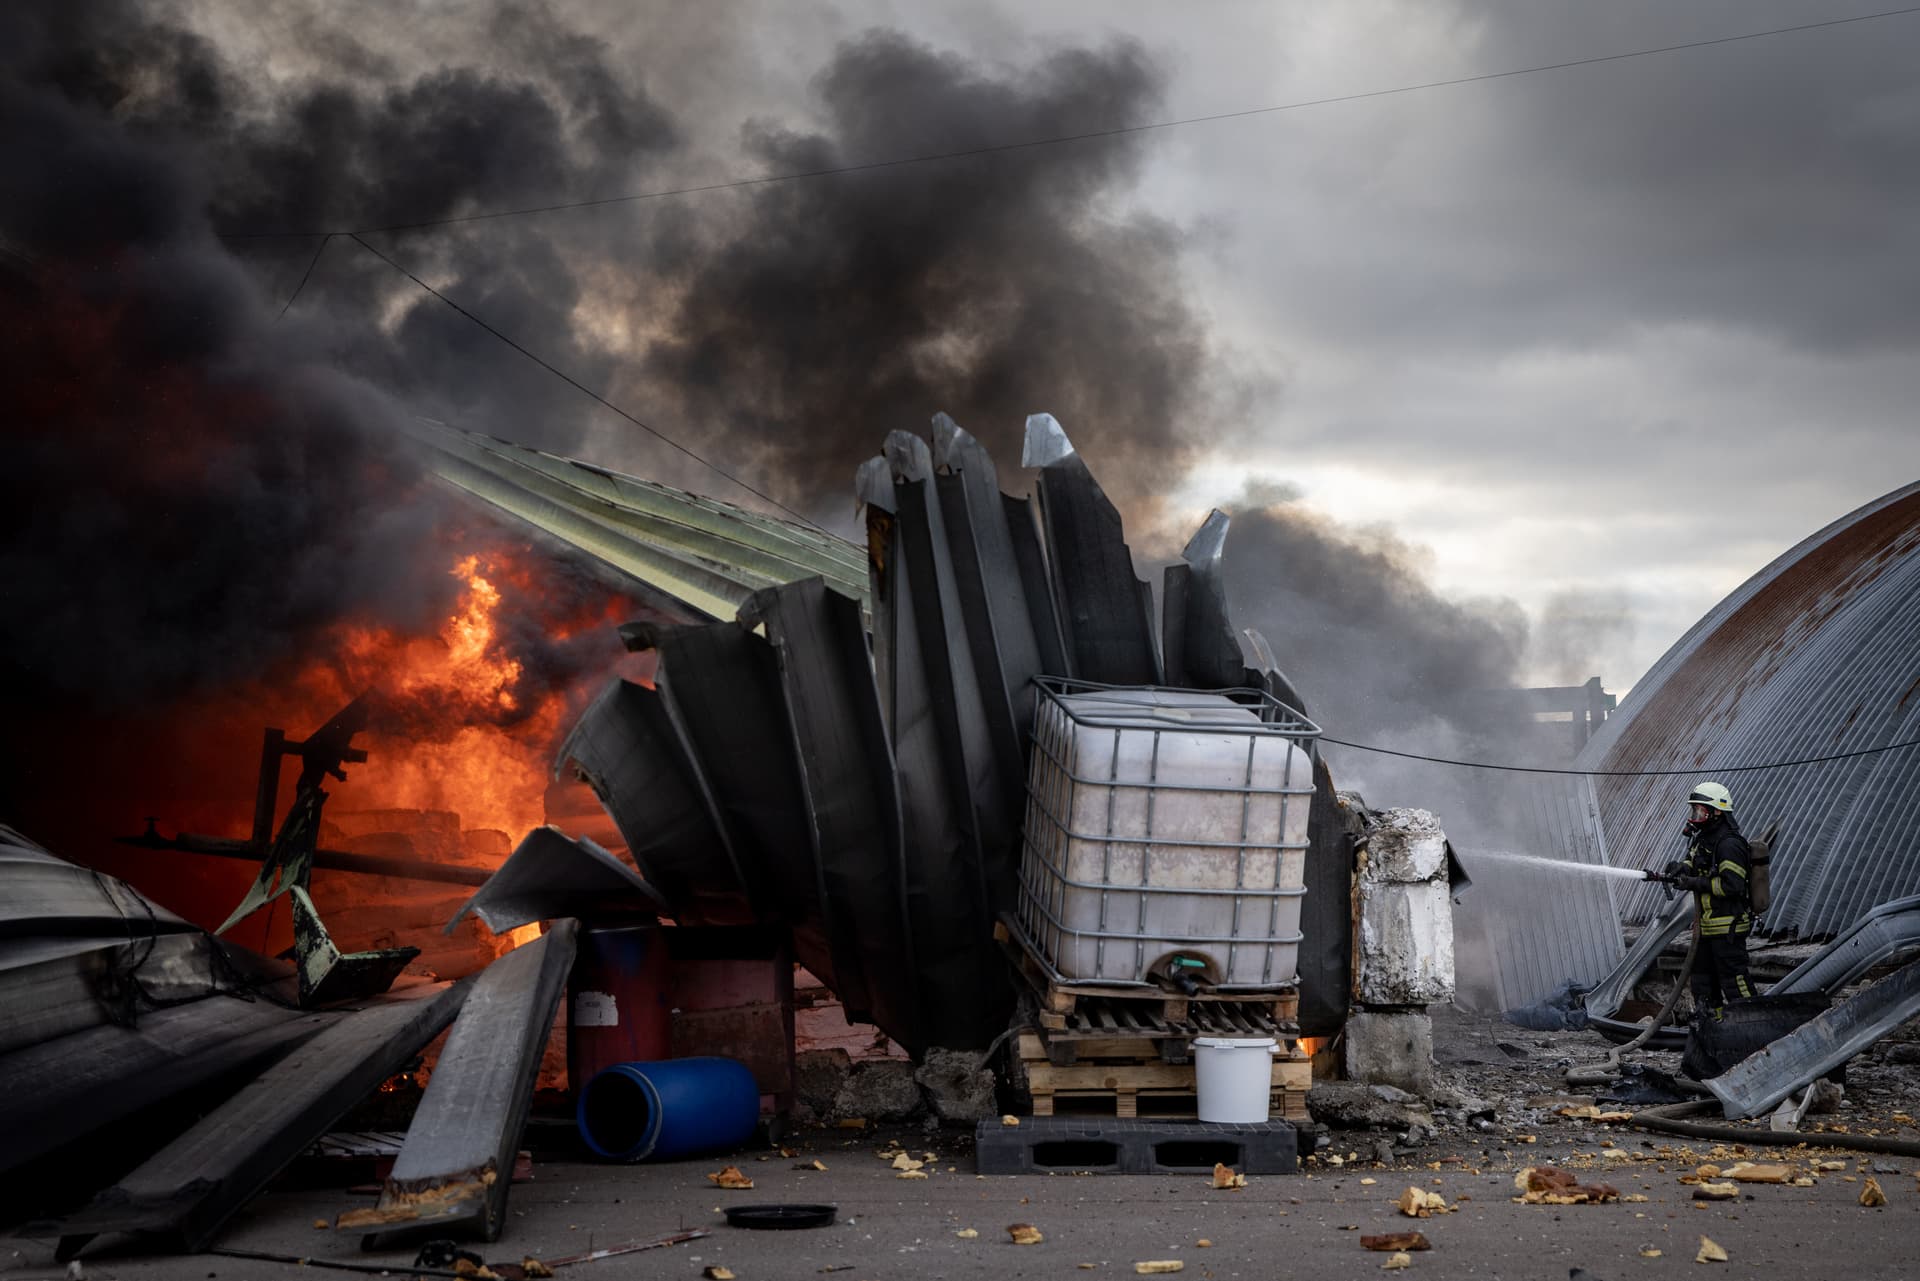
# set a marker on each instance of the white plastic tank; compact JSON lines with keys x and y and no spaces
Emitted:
{"x":1165,"y":836}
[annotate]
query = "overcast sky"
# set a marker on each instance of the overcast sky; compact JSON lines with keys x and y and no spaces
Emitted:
{"x":1602,"y":340}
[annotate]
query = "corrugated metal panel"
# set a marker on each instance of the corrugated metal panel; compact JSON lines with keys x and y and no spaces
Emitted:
{"x":1817,"y":654}
{"x":1545,"y":928}
{"x":708,"y":555}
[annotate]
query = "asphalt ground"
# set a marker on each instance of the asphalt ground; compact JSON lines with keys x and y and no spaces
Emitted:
{"x":1306,"y":1225}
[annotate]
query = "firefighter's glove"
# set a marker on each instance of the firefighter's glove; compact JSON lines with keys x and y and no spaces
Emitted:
{"x":1674,"y":871}
{"x":1692,"y":884}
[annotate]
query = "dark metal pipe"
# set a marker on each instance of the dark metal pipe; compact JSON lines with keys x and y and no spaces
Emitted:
{"x":412,"y":869}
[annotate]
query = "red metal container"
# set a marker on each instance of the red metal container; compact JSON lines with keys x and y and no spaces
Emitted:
{"x":619,"y":1007}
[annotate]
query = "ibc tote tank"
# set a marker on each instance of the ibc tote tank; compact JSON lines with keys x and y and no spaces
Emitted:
{"x":1166,"y":833}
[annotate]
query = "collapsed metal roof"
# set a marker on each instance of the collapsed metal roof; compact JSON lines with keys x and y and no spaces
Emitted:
{"x":1813,"y":656}
{"x":704,"y":554}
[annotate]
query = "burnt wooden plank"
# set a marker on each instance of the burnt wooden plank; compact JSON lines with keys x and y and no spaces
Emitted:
{"x":453,"y":1171}
{"x":189,"y":1189}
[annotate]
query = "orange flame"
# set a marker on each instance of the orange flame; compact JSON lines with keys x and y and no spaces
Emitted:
{"x":458,"y":732}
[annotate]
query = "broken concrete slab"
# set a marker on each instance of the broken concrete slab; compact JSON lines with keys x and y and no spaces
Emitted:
{"x":1404,"y":846}
{"x":883,"y":1090}
{"x":1351,"y":1105}
{"x":1406,"y":944}
{"x":818,"y":1076}
{"x":957,"y":1086}
{"x":550,"y":875}
{"x":188,"y":1190}
{"x":1393,"y":1048}
{"x":453,"y":1171}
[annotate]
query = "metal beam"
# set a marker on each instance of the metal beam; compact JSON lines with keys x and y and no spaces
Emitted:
{"x":453,"y":1171}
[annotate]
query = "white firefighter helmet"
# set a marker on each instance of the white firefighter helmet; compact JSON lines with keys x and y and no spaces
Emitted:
{"x":1713,"y":796}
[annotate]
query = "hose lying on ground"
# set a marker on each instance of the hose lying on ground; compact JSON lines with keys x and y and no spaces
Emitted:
{"x":1605,"y":1071}
{"x":1666,"y":1120}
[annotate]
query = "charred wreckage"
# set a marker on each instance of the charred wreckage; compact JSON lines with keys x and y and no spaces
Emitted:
{"x":1064,"y":845}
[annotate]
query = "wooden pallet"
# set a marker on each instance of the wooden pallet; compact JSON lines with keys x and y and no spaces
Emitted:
{"x":1123,"y":1080}
{"x":1060,"y":1002}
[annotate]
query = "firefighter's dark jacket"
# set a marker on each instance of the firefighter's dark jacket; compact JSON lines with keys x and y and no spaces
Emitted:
{"x":1719,"y":853}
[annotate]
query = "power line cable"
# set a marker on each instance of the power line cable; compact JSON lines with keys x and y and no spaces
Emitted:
{"x":575,"y":383}
{"x":1057,"y":139}
{"x":306,"y":276}
{"x":1696,"y":771}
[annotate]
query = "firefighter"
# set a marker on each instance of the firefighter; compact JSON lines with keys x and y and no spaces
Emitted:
{"x":1717,"y":871}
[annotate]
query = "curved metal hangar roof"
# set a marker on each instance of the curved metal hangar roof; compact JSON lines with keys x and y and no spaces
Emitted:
{"x":1817,"y":654}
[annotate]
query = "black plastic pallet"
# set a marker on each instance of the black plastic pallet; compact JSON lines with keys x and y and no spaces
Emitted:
{"x":1104,"y":1145}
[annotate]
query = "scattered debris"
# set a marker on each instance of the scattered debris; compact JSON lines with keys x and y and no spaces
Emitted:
{"x":967,"y":1234}
{"x":1548,"y":1185}
{"x":957,"y":1085}
{"x":1225,"y":1177}
{"x":1150,"y":1267}
{"x":1710,"y":1252}
{"x":1871,"y":1196}
{"x":714,"y":1272}
{"x":730,"y":1178}
{"x":1010,"y":1120}
{"x":534,"y":1267}
{"x":1203,"y":1244}
{"x":1650,"y":1252}
{"x":1024,"y":1234}
{"x":1590,"y":1112}
{"x":1392,"y":1241}
{"x":902,"y":1161}
{"x":1752,"y":1172}
{"x":1416,"y":1203}
{"x":1395,"y":1262}
{"x":812,"y":1165}
{"x":1717,"y":1191}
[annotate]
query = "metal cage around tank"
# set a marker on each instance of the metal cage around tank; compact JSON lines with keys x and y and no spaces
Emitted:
{"x":1166,"y":827}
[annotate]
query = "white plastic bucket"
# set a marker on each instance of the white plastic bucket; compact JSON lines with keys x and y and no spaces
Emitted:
{"x":1233,"y":1077}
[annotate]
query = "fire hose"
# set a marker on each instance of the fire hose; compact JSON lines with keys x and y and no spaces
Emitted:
{"x":1667,"y":1119}
{"x":1608,"y":1069}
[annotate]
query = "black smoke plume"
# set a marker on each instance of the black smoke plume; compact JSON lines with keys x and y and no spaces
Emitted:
{"x":1376,"y":650}
{"x":198,"y":483}
{"x":821,"y":314}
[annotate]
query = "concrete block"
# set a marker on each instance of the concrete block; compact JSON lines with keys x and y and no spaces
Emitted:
{"x":1403,"y":846}
{"x":957,"y":1087}
{"x":882,"y":1090}
{"x":1390,"y":1048}
{"x":1406,"y":944}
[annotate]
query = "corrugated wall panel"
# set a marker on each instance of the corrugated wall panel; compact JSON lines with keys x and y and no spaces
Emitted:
{"x":1818,"y":654}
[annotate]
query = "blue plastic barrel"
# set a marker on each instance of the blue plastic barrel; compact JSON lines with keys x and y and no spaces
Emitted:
{"x":676,"y":1107}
